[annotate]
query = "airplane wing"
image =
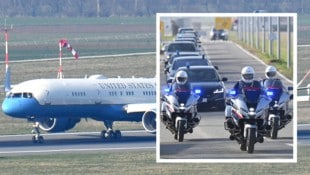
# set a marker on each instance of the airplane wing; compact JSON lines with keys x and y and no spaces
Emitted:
{"x":130,"y":108}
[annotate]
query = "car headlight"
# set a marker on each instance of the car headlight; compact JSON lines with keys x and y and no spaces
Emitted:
{"x":219,"y":90}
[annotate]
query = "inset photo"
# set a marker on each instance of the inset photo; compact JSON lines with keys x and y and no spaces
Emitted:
{"x":227,"y":84}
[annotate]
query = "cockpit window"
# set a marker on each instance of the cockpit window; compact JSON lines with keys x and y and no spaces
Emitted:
{"x":20,"y":95}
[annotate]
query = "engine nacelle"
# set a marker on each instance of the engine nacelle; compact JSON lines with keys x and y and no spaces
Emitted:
{"x":57,"y":124}
{"x":149,"y":121}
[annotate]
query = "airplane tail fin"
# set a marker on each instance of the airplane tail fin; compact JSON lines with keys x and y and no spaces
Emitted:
{"x":7,"y":82}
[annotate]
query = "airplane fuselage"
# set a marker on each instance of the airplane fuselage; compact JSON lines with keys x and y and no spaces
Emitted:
{"x":100,"y":99}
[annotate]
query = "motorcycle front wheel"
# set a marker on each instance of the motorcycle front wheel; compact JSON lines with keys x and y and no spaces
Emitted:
{"x":274,"y":128}
{"x":181,"y":130}
{"x":250,"y":139}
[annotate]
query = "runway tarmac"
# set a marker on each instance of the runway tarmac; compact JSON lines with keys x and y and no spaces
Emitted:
{"x":76,"y":143}
{"x":303,"y":132}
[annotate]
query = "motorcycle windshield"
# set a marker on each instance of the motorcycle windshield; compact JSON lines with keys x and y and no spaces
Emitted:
{"x":192,"y":100}
{"x":274,"y":93}
{"x":182,"y":96}
{"x":274,"y":88}
{"x":252,"y":94}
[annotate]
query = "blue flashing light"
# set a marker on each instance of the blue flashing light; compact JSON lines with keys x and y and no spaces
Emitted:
{"x":166,"y":90}
{"x":197,"y":91}
{"x":232,"y":92}
{"x":269,"y":93}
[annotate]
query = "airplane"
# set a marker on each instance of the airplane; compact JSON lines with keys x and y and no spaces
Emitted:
{"x":57,"y":105}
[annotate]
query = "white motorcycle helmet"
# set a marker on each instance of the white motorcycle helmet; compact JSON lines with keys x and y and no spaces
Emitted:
{"x":247,"y":74}
{"x":270,"y":72}
{"x":181,"y":77}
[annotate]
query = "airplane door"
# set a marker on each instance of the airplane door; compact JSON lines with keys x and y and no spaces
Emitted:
{"x":47,"y":99}
{"x":97,"y":97}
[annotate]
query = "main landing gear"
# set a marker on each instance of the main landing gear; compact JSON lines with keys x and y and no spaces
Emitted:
{"x":36,"y":138}
{"x":110,"y":133}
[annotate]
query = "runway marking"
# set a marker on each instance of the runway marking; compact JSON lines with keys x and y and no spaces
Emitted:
{"x":69,"y":133}
{"x":76,"y":150}
{"x":82,"y":57}
{"x":302,"y":125}
{"x":290,"y":144}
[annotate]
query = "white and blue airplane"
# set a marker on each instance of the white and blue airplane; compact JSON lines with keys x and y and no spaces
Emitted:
{"x":56,"y":105}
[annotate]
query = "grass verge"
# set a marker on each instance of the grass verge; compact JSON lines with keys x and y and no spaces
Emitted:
{"x":280,"y":64}
{"x":140,"y":162}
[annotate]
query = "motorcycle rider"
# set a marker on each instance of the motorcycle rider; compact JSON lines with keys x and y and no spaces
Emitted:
{"x":278,"y":88}
{"x":244,"y":85}
{"x":181,"y":88}
{"x":270,"y":73}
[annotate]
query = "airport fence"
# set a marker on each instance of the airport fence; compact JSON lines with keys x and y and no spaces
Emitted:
{"x":272,"y":35}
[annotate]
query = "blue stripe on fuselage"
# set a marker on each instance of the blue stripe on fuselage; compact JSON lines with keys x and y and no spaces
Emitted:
{"x":27,"y":107}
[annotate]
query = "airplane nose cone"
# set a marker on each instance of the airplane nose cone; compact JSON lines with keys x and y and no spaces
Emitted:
{"x":19,"y":107}
{"x":10,"y":107}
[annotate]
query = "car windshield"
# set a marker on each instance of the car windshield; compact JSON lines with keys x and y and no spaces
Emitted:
{"x":189,"y":62}
{"x":202,"y":75}
{"x":176,"y":56}
{"x":184,"y":47}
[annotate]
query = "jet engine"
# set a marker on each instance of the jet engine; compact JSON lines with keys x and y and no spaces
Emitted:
{"x":149,"y":121}
{"x":57,"y":124}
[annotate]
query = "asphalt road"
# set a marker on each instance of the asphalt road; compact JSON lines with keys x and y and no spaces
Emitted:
{"x":209,"y":140}
{"x":11,"y":145}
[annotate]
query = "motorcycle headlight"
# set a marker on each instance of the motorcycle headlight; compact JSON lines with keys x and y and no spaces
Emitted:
{"x":219,"y":90}
{"x":252,"y":112}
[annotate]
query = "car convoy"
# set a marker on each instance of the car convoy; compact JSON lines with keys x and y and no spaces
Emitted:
{"x":250,"y":122}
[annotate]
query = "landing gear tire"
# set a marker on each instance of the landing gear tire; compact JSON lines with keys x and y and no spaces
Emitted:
{"x":117,"y":134}
{"x":37,"y":139}
{"x":111,"y":134}
{"x":102,"y":134}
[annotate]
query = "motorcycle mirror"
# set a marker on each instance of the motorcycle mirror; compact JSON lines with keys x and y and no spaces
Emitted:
{"x":224,"y":79}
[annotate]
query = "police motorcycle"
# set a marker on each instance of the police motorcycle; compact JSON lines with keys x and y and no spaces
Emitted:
{"x":246,"y":119}
{"x":278,"y":113}
{"x":180,"y":115}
